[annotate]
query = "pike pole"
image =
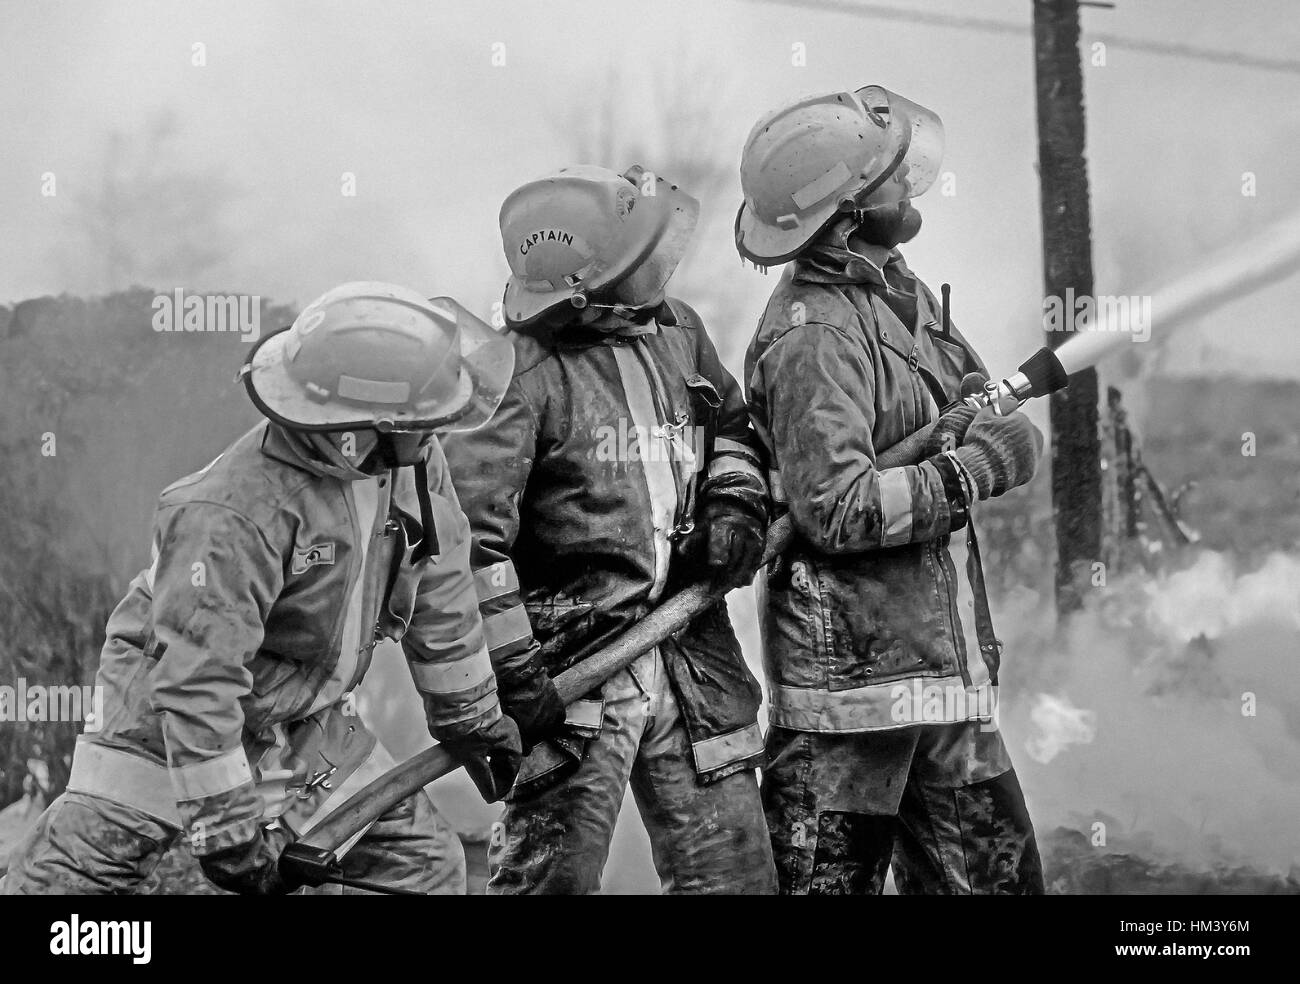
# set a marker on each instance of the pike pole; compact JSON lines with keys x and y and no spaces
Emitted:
{"x":1042,"y":374}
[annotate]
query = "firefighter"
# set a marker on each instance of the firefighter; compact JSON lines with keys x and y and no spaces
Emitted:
{"x":620,"y":466}
{"x":881,"y":659}
{"x":229,"y":667}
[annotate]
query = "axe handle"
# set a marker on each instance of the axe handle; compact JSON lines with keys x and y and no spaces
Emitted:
{"x":370,"y":803}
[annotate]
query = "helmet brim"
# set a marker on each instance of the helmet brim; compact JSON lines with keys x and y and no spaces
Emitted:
{"x":920,"y":132}
{"x":488,"y":357}
{"x":675,"y":214}
{"x":487,"y":365}
{"x":521,"y":306}
{"x":768,"y":245}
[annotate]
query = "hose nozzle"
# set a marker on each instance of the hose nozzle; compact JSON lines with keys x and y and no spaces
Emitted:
{"x":1041,"y":374}
{"x":1044,"y":373}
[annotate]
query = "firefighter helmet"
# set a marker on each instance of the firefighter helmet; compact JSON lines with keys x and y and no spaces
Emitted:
{"x":376,"y":355}
{"x":806,"y":163}
{"x":586,"y":233}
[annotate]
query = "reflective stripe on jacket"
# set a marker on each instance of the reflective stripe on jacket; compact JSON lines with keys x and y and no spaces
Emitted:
{"x":580,"y":492}
{"x":864,"y":608}
{"x":275,"y":572}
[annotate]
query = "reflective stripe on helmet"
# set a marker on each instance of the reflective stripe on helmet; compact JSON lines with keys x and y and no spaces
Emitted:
{"x":373,"y":390}
{"x":821,"y":188}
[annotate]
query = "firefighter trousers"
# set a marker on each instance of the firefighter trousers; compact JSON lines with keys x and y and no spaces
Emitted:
{"x":940,"y":802}
{"x":705,"y":838}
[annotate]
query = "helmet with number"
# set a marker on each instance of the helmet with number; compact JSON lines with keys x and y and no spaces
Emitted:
{"x":379,"y":356}
{"x":587,"y":234}
{"x":806,"y":163}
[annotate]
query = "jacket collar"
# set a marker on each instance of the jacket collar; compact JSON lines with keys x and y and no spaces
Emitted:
{"x":309,"y":452}
{"x":609,"y":329}
{"x":840,"y":258}
{"x":316,"y":454}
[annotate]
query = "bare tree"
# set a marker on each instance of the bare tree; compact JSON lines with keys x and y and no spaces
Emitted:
{"x":151,"y":219}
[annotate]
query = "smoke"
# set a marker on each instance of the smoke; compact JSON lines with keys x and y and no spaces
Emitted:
{"x":1168,"y":711}
{"x":151,"y":218}
{"x":1059,"y":724}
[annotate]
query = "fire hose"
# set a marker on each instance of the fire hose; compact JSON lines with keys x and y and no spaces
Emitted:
{"x":1040,"y":375}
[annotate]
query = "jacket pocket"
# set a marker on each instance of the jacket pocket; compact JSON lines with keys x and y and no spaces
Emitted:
{"x":717,"y":695}
{"x":794,"y":625}
{"x":950,"y":364}
{"x":887,"y":613}
{"x":705,"y":403}
{"x":705,"y":400}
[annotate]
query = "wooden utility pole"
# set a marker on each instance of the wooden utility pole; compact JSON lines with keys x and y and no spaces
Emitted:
{"x":1067,"y":264}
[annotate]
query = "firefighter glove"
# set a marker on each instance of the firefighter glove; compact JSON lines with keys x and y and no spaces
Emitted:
{"x":491,"y":755}
{"x":949,"y":430}
{"x":999,"y":453}
{"x":252,"y":868}
{"x":536,"y":708}
{"x":733,"y":540}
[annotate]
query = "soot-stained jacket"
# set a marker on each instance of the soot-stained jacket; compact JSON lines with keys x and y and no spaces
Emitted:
{"x":275,"y":572}
{"x":867,"y":621}
{"x":581,"y":492}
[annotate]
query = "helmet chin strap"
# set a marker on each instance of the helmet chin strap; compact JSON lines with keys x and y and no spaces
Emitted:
{"x":597,"y":314}
{"x":428,"y":545}
{"x":388,"y":457}
{"x":390,"y":452}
